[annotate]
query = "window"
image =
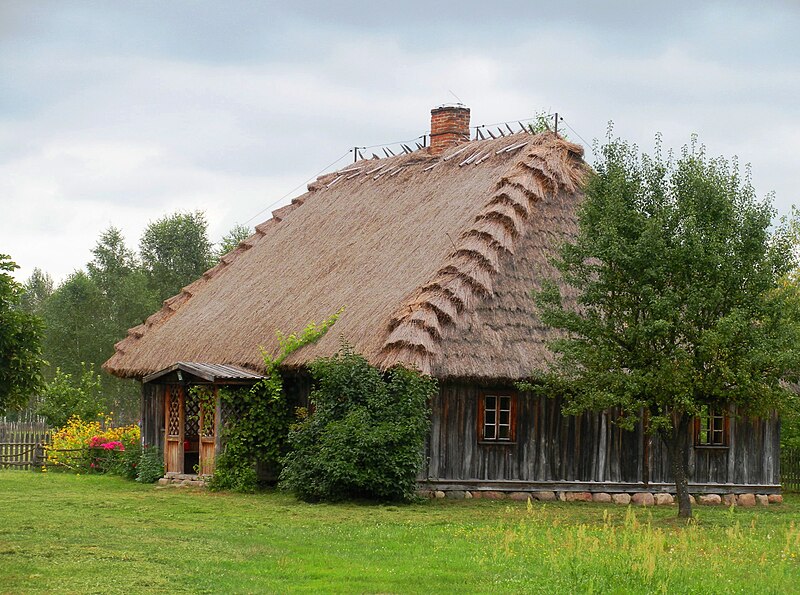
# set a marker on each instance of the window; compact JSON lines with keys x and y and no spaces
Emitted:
{"x":711,"y":429}
{"x":497,"y":418}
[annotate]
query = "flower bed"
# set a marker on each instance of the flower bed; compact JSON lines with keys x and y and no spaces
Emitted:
{"x":95,"y":447}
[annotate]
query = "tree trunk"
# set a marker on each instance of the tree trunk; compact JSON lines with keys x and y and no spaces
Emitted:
{"x":677,"y":442}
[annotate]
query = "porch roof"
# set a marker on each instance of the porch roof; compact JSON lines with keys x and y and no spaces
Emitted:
{"x":208,"y":372}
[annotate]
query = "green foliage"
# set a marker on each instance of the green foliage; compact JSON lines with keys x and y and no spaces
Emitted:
{"x":151,"y":465}
{"x":544,"y":122}
{"x":88,"y":313}
{"x":75,"y":319}
{"x":66,"y":396}
{"x":175,"y":250}
{"x":118,"y":275}
{"x":234,"y":471}
{"x":679,"y":301}
{"x":231,"y":239}
{"x":365,"y":437}
{"x":678,"y":278}
{"x":81,"y":328}
{"x":260,"y":435}
{"x":124,"y":463}
{"x":20,"y":343}
{"x":36,"y":290}
{"x":204,"y":395}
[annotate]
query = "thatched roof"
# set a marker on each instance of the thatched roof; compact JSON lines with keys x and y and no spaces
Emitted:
{"x":432,"y":257}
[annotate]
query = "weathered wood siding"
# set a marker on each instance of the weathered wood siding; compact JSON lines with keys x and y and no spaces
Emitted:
{"x":551,"y":447}
{"x":153,"y":415}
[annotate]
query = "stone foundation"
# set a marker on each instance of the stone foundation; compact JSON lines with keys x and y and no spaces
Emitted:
{"x":177,"y":480}
{"x":620,"y":498}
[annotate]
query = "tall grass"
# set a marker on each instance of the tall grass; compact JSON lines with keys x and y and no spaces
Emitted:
{"x":629,"y":550}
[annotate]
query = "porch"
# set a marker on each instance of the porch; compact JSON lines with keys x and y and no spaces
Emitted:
{"x":183,"y":415}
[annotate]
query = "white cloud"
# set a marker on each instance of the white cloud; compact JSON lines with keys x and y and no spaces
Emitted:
{"x":125,"y":127}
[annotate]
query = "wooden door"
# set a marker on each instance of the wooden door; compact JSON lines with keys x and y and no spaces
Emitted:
{"x":208,"y":434}
{"x":174,"y":428}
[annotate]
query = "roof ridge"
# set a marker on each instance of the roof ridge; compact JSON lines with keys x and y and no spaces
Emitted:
{"x":173,"y":304}
{"x":416,"y":328}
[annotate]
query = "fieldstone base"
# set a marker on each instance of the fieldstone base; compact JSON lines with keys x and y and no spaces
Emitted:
{"x":621,"y":498}
{"x":182,"y":480}
{"x":663,"y":499}
{"x":643,"y":499}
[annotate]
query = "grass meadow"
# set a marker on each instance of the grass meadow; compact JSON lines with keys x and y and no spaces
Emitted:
{"x":63,"y":533}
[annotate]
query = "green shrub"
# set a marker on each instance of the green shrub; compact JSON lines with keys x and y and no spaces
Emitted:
{"x":233,"y":472}
{"x":124,"y":463}
{"x":65,"y":397}
{"x":151,"y":465}
{"x":258,"y":437}
{"x":365,"y":437}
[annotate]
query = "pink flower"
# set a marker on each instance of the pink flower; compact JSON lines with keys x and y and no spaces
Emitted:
{"x":115,"y":445}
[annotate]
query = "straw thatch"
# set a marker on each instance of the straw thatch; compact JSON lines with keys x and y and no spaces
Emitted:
{"x":432,"y":257}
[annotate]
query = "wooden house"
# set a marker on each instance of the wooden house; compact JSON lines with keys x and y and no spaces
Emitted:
{"x":434,"y":254}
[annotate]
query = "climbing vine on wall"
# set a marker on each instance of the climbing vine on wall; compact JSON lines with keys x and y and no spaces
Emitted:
{"x":259,"y":435}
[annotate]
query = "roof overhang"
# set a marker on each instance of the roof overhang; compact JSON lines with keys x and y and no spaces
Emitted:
{"x":207,"y":372}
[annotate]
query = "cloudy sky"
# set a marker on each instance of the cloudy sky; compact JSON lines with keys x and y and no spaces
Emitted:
{"x":117,"y":113}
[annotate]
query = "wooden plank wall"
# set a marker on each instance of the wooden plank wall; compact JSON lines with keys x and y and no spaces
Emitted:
{"x":153,"y":415}
{"x":591,"y":447}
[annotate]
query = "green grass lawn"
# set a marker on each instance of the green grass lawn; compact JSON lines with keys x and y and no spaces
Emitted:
{"x":95,"y":534}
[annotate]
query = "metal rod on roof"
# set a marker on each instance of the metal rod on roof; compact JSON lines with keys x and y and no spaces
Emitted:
{"x":500,"y":131}
{"x":406,"y":148}
{"x":489,"y":132}
{"x":419,"y":146}
{"x":524,"y":129}
{"x":388,"y":152}
{"x":479,"y":133}
{"x":555,"y":117}
{"x":509,"y":128}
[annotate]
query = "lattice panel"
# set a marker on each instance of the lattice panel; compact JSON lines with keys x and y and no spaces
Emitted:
{"x":174,"y":428}
{"x":208,"y":423}
{"x":192,"y":417}
{"x":231,"y":412}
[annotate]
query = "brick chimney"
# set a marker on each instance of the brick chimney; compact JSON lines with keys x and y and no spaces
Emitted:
{"x":449,"y":126}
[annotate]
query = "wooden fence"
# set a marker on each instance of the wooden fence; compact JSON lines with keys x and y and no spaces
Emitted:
{"x":790,"y":469}
{"x":22,"y":444}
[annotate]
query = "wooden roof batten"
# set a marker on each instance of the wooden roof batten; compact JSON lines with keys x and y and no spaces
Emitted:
{"x":413,"y":255}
